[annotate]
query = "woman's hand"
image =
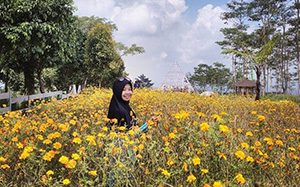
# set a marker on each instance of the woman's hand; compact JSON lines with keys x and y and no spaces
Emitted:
{"x":154,"y":119}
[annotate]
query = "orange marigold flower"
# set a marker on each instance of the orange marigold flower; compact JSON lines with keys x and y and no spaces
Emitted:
{"x":240,"y":154}
{"x":196,"y":161}
{"x":93,"y":173}
{"x":191,"y":178}
{"x":63,"y":160}
{"x":66,"y":182}
{"x":217,"y":184}
{"x":224,"y":129}
{"x":57,"y":145}
{"x":240,"y":179}
{"x":204,"y":126}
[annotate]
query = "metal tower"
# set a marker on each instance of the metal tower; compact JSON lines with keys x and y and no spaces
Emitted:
{"x":176,"y":80}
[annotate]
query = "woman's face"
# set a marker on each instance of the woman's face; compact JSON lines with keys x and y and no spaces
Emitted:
{"x":126,"y":93}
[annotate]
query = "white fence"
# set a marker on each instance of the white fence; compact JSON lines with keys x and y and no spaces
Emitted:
{"x":29,"y":98}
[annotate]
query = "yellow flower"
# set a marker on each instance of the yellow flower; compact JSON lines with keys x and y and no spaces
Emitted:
{"x":240,"y":154}
{"x":182,"y":115}
{"x":170,"y":162}
{"x":75,"y":134}
{"x":239,"y":130}
{"x":217,"y":184}
{"x":222,"y":155}
{"x":50,"y":172}
{"x":20,"y":145}
{"x":93,"y":173}
{"x":249,"y":159}
{"x":24,"y":155}
{"x":206,"y":185}
{"x":268,"y":140}
{"x":224,"y":129}
{"x":75,"y":156}
{"x":172,"y":135}
{"x":100,"y":135}
{"x":49,"y":155}
{"x":66,"y":182}
{"x":165,"y":173}
{"x":71,"y":164}
{"x":254,"y":112}
{"x":196,"y":161}
{"x":141,"y":147}
{"x":47,"y":141}
{"x":261,"y":118}
{"x":204,"y":126}
{"x":131,"y":132}
{"x":257,"y":144}
{"x":185,"y":167}
{"x":191,"y":178}
{"x":14,"y":139}
{"x":279,"y":142}
{"x":240,"y":179}
{"x":77,"y":140}
{"x":57,"y":145}
{"x":72,"y":122}
{"x":216,"y":117}
{"x":2,"y":159}
{"x":291,"y":149}
{"x":63,"y":160}
{"x":245,"y":145}
{"x":4,"y":166}
{"x":50,"y":121}
{"x":249,"y":133}
{"x":64,"y":127}
{"x":201,"y":114}
{"x":105,"y":129}
{"x":40,"y":137}
{"x":204,"y":171}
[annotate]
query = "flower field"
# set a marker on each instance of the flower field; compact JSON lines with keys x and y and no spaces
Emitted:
{"x":198,"y":141}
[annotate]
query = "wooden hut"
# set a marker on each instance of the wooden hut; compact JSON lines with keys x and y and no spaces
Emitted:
{"x":245,"y":87}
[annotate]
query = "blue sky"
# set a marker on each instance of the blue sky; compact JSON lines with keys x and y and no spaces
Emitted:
{"x":184,"y":31}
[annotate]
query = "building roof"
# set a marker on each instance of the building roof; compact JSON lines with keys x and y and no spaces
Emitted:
{"x":245,"y":83}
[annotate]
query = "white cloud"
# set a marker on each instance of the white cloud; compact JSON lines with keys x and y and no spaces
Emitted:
{"x":159,"y":26}
{"x":198,"y":43}
{"x":100,"y":8}
{"x":136,"y":19}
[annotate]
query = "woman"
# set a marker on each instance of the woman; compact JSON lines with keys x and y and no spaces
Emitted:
{"x":119,"y":105}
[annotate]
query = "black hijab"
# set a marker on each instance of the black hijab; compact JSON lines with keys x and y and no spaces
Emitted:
{"x":118,"y":108}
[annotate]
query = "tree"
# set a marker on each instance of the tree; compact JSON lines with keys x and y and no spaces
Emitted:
{"x":258,"y":58}
{"x":144,"y":81}
{"x":216,"y":76}
{"x":236,"y":37}
{"x":100,"y":51}
{"x":34,"y":35}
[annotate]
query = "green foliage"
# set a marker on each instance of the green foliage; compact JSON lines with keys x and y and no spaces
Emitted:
{"x":34,"y":35}
{"x":143,"y":81}
{"x":281,"y":97}
{"x":216,"y":76}
{"x":101,"y":56}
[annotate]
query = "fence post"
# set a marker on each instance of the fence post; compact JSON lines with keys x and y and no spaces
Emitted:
{"x":79,"y":89}
{"x":9,"y":97}
{"x":29,"y":102}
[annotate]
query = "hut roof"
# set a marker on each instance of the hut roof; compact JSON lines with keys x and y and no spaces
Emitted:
{"x":245,"y":83}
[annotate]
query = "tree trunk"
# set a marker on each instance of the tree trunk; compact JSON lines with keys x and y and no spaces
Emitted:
{"x":297,"y":43}
{"x":6,"y":84}
{"x":264,"y":83}
{"x":41,"y":81}
{"x":258,"y":74}
{"x":28,"y":70}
